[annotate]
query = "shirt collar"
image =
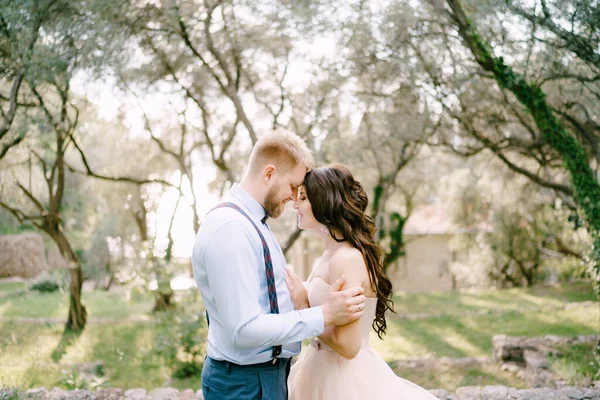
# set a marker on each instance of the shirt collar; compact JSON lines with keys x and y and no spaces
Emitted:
{"x":249,"y":202}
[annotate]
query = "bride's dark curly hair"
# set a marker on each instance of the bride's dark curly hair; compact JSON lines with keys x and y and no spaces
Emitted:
{"x":339,"y":202}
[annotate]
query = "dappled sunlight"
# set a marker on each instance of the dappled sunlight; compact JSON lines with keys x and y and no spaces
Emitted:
{"x":458,"y":341}
{"x":427,"y":334}
{"x":3,"y":308}
{"x":25,"y":376}
{"x":124,"y":346}
{"x":80,"y":350}
{"x":485,"y":303}
{"x":471,"y":335}
{"x":25,"y":343}
{"x":540,"y":301}
{"x":516,"y":299}
{"x":113,"y":305}
{"x":395,"y":346}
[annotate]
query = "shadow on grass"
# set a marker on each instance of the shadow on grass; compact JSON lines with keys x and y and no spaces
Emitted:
{"x":429,"y":334}
{"x":67,"y":339}
{"x":534,"y":298}
{"x":471,"y":336}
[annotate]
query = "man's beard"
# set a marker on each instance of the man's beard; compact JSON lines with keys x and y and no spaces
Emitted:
{"x":273,"y":207}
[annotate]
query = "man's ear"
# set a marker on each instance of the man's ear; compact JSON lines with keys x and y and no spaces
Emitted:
{"x":269,"y":172}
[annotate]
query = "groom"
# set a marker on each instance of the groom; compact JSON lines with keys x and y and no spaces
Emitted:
{"x":239,"y":268}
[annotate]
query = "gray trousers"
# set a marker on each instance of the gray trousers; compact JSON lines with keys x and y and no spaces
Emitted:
{"x":222,"y":380}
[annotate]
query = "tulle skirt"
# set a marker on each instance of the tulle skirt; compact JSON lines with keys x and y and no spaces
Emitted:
{"x":322,"y":374}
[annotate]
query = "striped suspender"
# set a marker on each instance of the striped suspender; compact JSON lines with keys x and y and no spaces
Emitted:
{"x":268,"y":269}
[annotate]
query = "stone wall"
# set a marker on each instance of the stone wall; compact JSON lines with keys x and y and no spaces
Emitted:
{"x":527,"y":358}
{"x":463,"y":393}
{"x":525,"y":355}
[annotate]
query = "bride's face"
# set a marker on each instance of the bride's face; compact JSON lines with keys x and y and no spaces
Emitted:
{"x":306,"y":219}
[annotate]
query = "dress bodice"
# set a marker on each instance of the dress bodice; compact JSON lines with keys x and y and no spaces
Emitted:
{"x":318,"y":291}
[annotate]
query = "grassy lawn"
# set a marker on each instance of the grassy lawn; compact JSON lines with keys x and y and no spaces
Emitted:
{"x":11,"y":286}
{"x":451,"y":331}
{"x":449,"y":303}
{"x":99,"y":304}
{"x":451,"y":378}
{"x":26,"y":355}
{"x":28,"y":350}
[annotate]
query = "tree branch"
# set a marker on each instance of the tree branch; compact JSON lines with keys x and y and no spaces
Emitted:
{"x":575,"y":43}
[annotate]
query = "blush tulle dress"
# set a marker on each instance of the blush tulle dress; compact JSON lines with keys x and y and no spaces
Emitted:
{"x":323,"y":374}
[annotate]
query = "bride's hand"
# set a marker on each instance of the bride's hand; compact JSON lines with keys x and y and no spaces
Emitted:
{"x":297,"y":290}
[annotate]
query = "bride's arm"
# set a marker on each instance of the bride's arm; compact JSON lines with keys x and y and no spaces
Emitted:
{"x":346,"y":339}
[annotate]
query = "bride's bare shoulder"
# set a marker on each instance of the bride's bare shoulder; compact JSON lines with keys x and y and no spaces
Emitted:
{"x":347,"y":260}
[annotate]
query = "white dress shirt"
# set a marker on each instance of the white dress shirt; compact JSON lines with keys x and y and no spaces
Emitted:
{"x":229,"y":269}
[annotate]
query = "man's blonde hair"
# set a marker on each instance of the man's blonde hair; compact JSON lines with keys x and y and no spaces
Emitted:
{"x":282,"y":148}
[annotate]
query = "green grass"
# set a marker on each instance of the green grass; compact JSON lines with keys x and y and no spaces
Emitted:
{"x":492,"y":301}
{"x":11,"y":286}
{"x":471,"y":336}
{"x":26,"y":355}
{"x":451,"y":378}
{"x":99,"y":304}
{"x":577,"y":365}
{"x":28,"y":350}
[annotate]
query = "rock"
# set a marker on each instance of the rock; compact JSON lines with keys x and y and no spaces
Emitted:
{"x":462,"y":393}
{"x":468,"y":392}
{"x":135,"y":394}
{"x":109,"y":394}
{"x":495,"y":393}
{"x":163,"y":394}
{"x":81,"y":395}
{"x":8,"y":393}
{"x":553,"y":339}
{"x":535,"y":360}
{"x":56,"y":394}
{"x":187,"y":394}
{"x":35,"y":394}
{"x":592,"y":394}
{"x":507,"y":348}
{"x":538,"y":378}
{"x":511,"y":367}
{"x":569,"y":392}
{"x":535,"y":394}
{"x":442,"y":394}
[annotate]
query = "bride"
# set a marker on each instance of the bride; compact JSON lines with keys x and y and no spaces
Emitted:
{"x":339,"y":364}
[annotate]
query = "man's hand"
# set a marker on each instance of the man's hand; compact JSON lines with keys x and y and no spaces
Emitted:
{"x":343,"y":306}
{"x":297,"y":290}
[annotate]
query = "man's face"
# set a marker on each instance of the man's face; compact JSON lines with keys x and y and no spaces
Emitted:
{"x":284,"y":189}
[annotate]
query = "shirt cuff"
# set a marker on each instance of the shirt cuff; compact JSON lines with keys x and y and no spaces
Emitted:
{"x":313,"y":318}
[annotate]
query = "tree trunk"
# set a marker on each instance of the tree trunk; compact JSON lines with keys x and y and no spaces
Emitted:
{"x":585,"y":184}
{"x":77,"y":312}
{"x":111,"y":277}
{"x":291,"y":240}
{"x":163,"y":302}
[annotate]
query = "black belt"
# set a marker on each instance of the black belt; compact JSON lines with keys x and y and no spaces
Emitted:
{"x":279,"y":362}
